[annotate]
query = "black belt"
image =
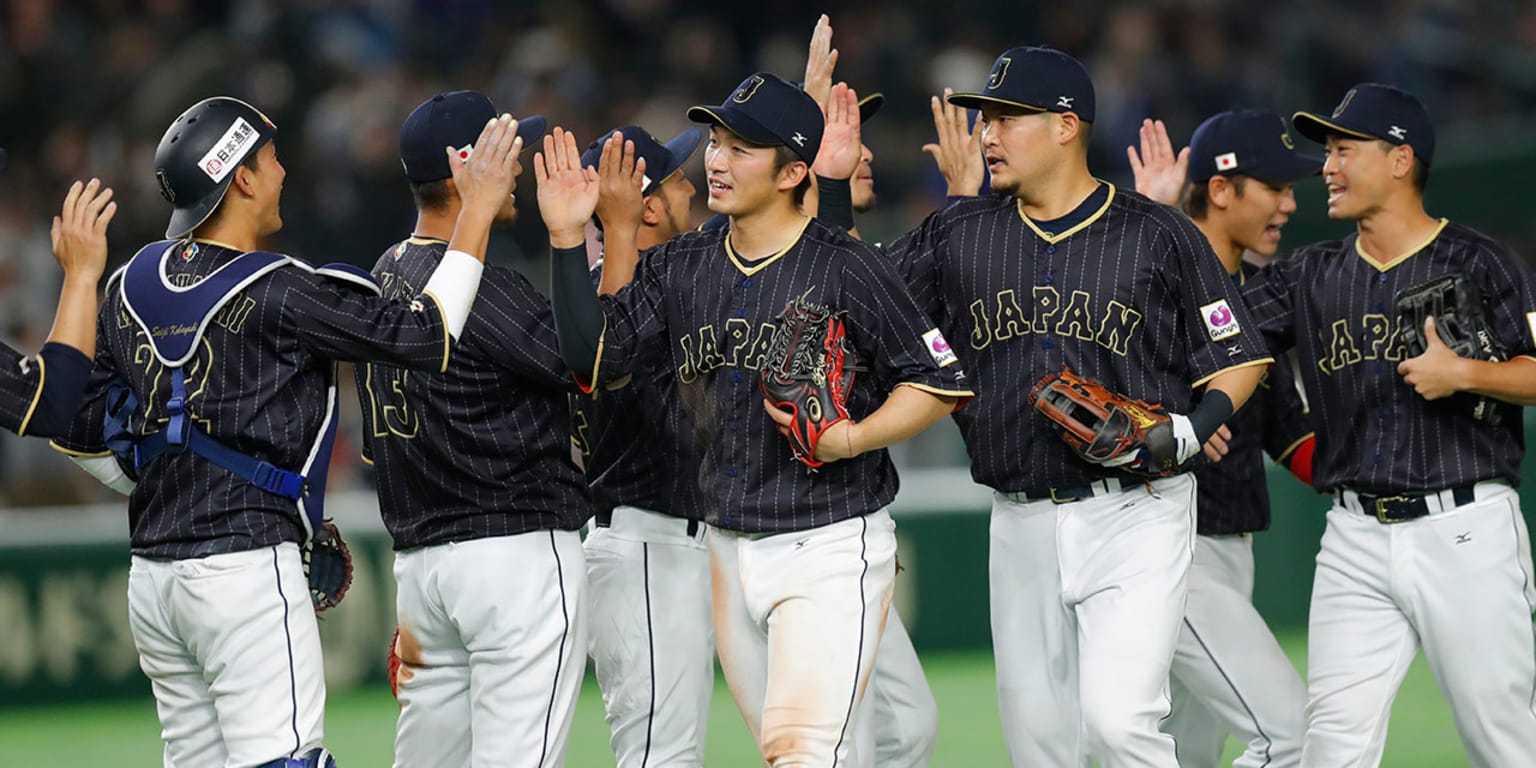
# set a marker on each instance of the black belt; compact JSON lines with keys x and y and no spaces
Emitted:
{"x":605,"y":520}
{"x":1068,"y":493}
{"x":1397,"y":509}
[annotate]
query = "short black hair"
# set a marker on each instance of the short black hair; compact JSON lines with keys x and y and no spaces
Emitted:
{"x":1196,"y":200}
{"x":1420,"y":168}
{"x":782,"y":157}
{"x":430,"y":195}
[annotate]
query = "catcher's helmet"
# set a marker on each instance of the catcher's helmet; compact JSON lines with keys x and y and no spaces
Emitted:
{"x":198,"y":154}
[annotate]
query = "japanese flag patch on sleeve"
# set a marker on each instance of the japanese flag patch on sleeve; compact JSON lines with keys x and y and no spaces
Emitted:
{"x":1219,"y":320}
{"x":938,"y":348}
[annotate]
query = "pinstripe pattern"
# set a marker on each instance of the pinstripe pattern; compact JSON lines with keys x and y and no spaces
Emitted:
{"x":483,"y":449}
{"x":711,"y":318}
{"x":1232,"y":496}
{"x":257,"y":383}
{"x":20,"y":379}
{"x":1117,"y":298}
{"x":637,"y":446}
{"x":1374,"y":433}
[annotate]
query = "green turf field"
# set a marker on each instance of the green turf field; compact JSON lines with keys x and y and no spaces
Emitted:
{"x":360,"y":726}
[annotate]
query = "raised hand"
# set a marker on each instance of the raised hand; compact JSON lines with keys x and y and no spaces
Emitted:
{"x":820,"y":61}
{"x":958,"y":152}
{"x":1160,"y":174}
{"x":841,"y":142}
{"x":567,"y":191}
{"x":486,"y":174}
{"x":621,"y":178}
{"x":79,"y":232}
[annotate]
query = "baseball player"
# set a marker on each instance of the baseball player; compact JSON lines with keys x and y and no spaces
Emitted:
{"x":802,"y":563}
{"x":1059,"y":270}
{"x":216,"y":362}
{"x":1425,"y":543}
{"x":1235,"y":180}
{"x":39,"y":393}
{"x":477,"y":487}
{"x":647,"y":559}
{"x":899,"y":720}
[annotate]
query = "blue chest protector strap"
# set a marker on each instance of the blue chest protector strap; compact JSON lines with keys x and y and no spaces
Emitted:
{"x":174,"y":320}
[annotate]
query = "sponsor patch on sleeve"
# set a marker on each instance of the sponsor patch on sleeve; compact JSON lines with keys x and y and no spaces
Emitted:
{"x":938,"y":348}
{"x":1219,"y":320}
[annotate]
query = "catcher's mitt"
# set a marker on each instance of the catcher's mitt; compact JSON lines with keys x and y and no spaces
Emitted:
{"x":1461,"y":321}
{"x":328,"y":564}
{"x":1107,"y":428}
{"x":808,"y":371}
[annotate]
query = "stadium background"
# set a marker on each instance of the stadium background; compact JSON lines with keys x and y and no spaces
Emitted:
{"x":86,"y":87}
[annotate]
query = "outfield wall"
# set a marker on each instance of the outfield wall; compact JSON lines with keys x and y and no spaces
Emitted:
{"x":64,"y":574}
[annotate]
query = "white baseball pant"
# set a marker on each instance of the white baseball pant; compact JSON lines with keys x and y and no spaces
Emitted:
{"x":232,"y":651}
{"x":798,"y":617}
{"x":1229,"y":673}
{"x":493,"y":642}
{"x":898,"y":721}
{"x":653,"y":638}
{"x":1459,"y":582}
{"x":1086,"y":600}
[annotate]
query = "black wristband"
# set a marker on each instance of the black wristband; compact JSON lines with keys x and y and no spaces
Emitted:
{"x":1213,"y":410}
{"x":834,"y":202}
{"x":578,"y":313}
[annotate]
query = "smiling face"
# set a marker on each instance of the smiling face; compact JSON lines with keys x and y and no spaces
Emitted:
{"x":1254,"y":212}
{"x":744,"y":178}
{"x":266,"y":183}
{"x":1360,"y":176}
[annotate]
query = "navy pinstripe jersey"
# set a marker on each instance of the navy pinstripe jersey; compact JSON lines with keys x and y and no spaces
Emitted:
{"x":481,"y":449}
{"x":637,"y":444}
{"x":711,"y":315}
{"x":1131,"y":296}
{"x":1232,"y":495}
{"x":21,"y":385}
{"x":1374,"y":432}
{"x":257,"y":383}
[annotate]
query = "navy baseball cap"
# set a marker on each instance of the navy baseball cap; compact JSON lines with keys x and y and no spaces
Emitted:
{"x":869,"y":105}
{"x":1375,"y":111}
{"x":768,"y":110}
{"x":661,"y":160}
{"x":1248,"y":142}
{"x":452,"y":119}
{"x":1036,"y":79}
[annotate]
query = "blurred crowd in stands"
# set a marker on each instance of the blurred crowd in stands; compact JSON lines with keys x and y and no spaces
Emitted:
{"x":87,"y":87}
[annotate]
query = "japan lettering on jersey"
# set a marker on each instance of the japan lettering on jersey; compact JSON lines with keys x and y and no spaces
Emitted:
{"x":711,"y":315}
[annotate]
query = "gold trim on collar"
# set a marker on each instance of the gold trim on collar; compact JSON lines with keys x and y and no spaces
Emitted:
{"x":1384,"y":266}
{"x":419,"y":240}
{"x":730,"y":252}
{"x":214,"y":242}
{"x":1054,"y":239}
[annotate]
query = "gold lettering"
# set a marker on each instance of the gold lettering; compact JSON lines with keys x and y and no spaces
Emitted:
{"x":1010,"y":317}
{"x":1047,"y":302}
{"x":1075,"y":320}
{"x":981,"y":329}
{"x":1119,"y":325}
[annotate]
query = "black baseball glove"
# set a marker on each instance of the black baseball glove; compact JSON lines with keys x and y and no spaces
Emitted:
{"x":1461,"y":320}
{"x":328,"y":564}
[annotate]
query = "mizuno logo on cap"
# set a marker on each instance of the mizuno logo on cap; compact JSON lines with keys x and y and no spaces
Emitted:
{"x":1397,"y":133}
{"x":798,"y":138}
{"x":1065,"y":102}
